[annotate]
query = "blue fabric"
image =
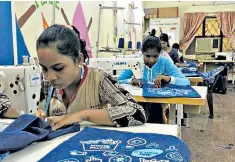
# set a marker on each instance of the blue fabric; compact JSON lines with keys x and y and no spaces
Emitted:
{"x":162,"y":66}
{"x":192,"y":63}
{"x":28,"y":129}
{"x":169,"y":90}
{"x":6,"y":45}
{"x":190,"y":72}
{"x":97,"y":145}
{"x":213,"y":73}
{"x":210,"y":75}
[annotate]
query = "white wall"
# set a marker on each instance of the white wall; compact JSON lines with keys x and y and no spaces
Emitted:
{"x":186,"y":7}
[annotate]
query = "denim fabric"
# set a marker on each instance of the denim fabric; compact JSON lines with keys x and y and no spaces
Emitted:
{"x":169,"y":90}
{"x":97,"y":145}
{"x":28,"y":129}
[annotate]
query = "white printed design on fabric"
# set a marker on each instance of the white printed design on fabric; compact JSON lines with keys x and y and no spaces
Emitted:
{"x":152,"y":145}
{"x":120,"y":158}
{"x":169,"y":91}
{"x":110,"y":153}
{"x":152,"y":160}
{"x":76,"y":152}
{"x":129,"y":147}
{"x":146,"y":153}
{"x":171,"y":148}
{"x":100,"y":145}
{"x":175,"y":156}
{"x":69,"y":160}
{"x":136,"y":141}
{"x":93,"y":159}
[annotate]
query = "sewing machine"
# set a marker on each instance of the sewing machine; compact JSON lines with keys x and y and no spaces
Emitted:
{"x":22,"y":84}
{"x":116,"y":65}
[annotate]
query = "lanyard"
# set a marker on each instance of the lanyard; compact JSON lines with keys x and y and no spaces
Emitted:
{"x":51,"y":90}
{"x":47,"y":104}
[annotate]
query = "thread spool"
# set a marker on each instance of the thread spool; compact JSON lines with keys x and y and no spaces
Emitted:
{"x":25,"y":60}
{"x":138,"y":45}
{"x":129,"y":45}
{"x":121,"y":43}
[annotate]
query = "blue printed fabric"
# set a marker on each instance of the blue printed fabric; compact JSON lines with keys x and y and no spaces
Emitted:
{"x":192,"y":63}
{"x":210,"y":75}
{"x":28,"y":129}
{"x":213,"y":73}
{"x":189,"y":72}
{"x":169,"y":90}
{"x":98,"y":145}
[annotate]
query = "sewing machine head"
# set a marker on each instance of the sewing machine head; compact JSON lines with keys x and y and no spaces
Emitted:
{"x":22,"y":84}
{"x":116,"y":65}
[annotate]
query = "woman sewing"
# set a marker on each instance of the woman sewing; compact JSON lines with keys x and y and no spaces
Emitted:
{"x":159,"y":70}
{"x":73,"y":92}
{"x":166,"y":47}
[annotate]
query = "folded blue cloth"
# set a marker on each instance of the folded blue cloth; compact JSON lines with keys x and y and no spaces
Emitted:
{"x":169,"y":90}
{"x":97,"y":145}
{"x":189,"y":72}
{"x":212,"y":73}
{"x":28,"y":129}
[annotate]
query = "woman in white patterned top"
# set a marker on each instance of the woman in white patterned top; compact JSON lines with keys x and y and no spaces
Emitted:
{"x":6,"y":111}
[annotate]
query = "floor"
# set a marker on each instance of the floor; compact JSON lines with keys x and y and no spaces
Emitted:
{"x":213,"y":140}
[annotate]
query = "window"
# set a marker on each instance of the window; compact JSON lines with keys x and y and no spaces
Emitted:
{"x":210,"y":28}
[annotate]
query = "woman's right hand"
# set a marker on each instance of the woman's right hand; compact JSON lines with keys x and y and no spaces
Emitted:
{"x":136,"y":82}
{"x":41,"y":114}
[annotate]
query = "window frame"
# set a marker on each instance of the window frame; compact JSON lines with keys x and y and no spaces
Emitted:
{"x":221,"y":36}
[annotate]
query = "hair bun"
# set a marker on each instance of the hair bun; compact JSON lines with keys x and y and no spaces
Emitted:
{"x":153,"y":32}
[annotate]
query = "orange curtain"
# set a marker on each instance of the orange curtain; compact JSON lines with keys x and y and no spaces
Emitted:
{"x":227,"y":25}
{"x":192,"y":22}
{"x":226,"y":20}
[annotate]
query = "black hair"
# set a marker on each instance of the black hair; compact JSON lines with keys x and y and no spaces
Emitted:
{"x":153,"y":32}
{"x":164,"y":37}
{"x":176,"y":46}
{"x":151,"y":42}
{"x":66,"y":40}
{"x":82,"y":44}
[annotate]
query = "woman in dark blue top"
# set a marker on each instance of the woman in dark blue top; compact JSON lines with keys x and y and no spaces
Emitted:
{"x":166,"y":47}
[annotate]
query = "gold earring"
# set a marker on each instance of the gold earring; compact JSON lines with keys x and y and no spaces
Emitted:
{"x":80,"y":66}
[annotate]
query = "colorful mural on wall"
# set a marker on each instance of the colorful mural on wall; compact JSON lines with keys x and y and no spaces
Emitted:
{"x":78,"y":19}
{"x":35,"y":16}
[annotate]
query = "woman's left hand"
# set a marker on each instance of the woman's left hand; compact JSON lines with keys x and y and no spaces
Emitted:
{"x":57,"y":122}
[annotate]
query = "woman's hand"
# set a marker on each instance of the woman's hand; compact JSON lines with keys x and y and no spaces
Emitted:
{"x":136,"y":82}
{"x":41,"y":114}
{"x":159,"y":79}
{"x":177,"y":64}
{"x":57,"y":122}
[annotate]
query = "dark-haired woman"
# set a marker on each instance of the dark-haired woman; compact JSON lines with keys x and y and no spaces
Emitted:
{"x":173,"y":53}
{"x":75,"y":92}
{"x":157,"y":69}
{"x":155,"y":66}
